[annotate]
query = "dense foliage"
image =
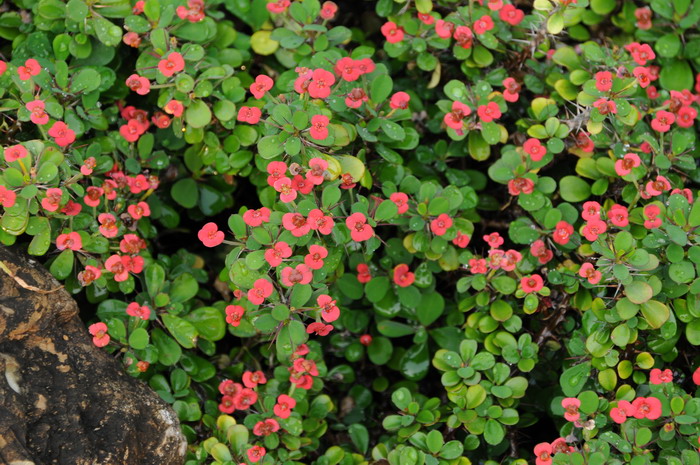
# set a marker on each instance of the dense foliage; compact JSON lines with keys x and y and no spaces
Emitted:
{"x":415,"y":232}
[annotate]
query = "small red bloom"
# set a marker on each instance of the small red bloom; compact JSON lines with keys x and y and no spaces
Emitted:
{"x":249,"y":115}
{"x":539,"y":249}
{"x":138,"y":84}
{"x":512,"y":90}
{"x":62,"y":134}
{"x":643,"y":16}
{"x":571,"y":406}
{"x":483,"y":24}
{"x":605,"y":106}
{"x":175,"y":108}
{"x":647,"y":407}
{"x":658,"y":187}
{"x":276,"y":170}
{"x":319,"y":127}
{"x":210,"y":235}
{"x":662,"y":121}
{"x":317,"y":170}
{"x":399,"y":101}
{"x":234,"y":313}
{"x":531,"y":283}
{"x":402,"y":276}
{"x":589,"y":272}
{"x":296,"y":224}
{"x":252,"y":378}
{"x":562,"y":233}
{"x":99,"y":334}
{"x":651,"y":214}
{"x":363,"y":273}
{"x":317,"y":221}
{"x":359,"y":229}
{"x":618,"y":215}
{"x":266,"y":427}
{"x":301,"y":274}
{"x":261,"y":85}
{"x":139,"y":210}
{"x":488,"y":113}
{"x":535,"y":149}
{"x":328,"y":10}
{"x":15,"y":152}
{"x":52,"y":200}
{"x":320,"y":85}
{"x":318,"y":328}
{"x":172,"y":64}
{"x":660,"y":377}
{"x":623,"y":410}
{"x":511,"y":15}
{"x":262,"y":289}
{"x":441,"y":224}
{"x":543,"y":452}
{"x":245,"y":398}
{"x":138,"y":311}
{"x":461,"y":240}
{"x":521,"y":185}
{"x":132,"y":39}
{"x":254,"y":218}
{"x":444,"y":29}
{"x":31,"y":68}
{"x":454,"y":118}
{"x":392,"y":32}
{"x":314,"y":259}
{"x":494,"y":240}
{"x":401,"y":201}
{"x":277,"y":7}
{"x":7,"y":197}
{"x":603,"y":81}
{"x":284,"y":406}
{"x":38,"y":114}
{"x":625,"y":166}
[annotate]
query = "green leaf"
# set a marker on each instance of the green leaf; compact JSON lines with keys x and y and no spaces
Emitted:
{"x":86,"y":80}
{"x":392,"y":129}
{"x":656,"y":313}
{"x":381,"y":88}
{"x":676,"y":76}
{"x":638,"y":292}
{"x":185,"y":192}
{"x":386,"y":210}
{"x":209,"y":323}
{"x":169,"y":351}
{"x":155,"y":278}
{"x":198,"y":114}
{"x":359,"y":436}
{"x":430,"y":308}
{"x":380,"y":350}
{"x":184,"y":332}
{"x":415,"y":363}
{"x":573,"y":379}
{"x":494,"y":432}
{"x":183,"y":288}
{"x":138,"y":339}
{"x":668,"y":45}
{"x":574,"y":189}
{"x":63,"y":264}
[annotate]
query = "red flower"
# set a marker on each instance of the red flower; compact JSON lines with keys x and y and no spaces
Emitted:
{"x":314,"y":259}
{"x":210,"y":235}
{"x":399,"y":101}
{"x":87,"y":166}
{"x":302,"y":185}
{"x":359,"y":229}
{"x":658,"y":187}
{"x":261,"y":85}
{"x":139,"y":210}
{"x":329,"y":310}
{"x":392,"y":32}
{"x":347,"y":181}
{"x":229,"y":388}
{"x":318,"y":328}
{"x":347,"y":69}
{"x":363,"y":273}
{"x":132,"y":39}
{"x":531,"y":283}
{"x":88,"y":275}
{"x":38,"y":114}
{"x":605,"y":106}
{"x":535,"y":149}
{"x":93,"y":195}
{"x":257,"y":217}
{"x":317,"y":170}
{"x":444,"y":29}
{"x":296,"y":224}
{"x":571,"y":406}
{"x":463,"y":36}
{"x":660,"y":377}
{"x":643,"y":76}
{"x":276,"y":170}
{"x":426,"y":18}
{"x":3,"y":67}
{"x":138,"y":7}
{"x":647,"y":407}
{"x":584,"y":142}
{"x":402,"y":276}
{"x":249,"y":114}
{"x":227,"y":405}
{"x":662,"y":121}
{"x":488,"y":113}
{"x":99,"y":334}
{"x":15,"y":152}
{"x":245,"y":398}
{"x":108,"y":225}
{"x":562,"y":233}
{"x":138,"y":311}
{"x":494,"y":240}
{"x":641,"y":53}
{"x":286,"y":189}
{"x":454,"y":118}
{"x":52,"y":200}
{"x":70,"y":241}
{"x":521,"y":185}
{"x":173,"y":63}
{"x":483,"y":24}
{"x":696,"y":376}
{"x":277,"y":7}
{"x":132,"y":244}
{"x":623,"y":410}
{"x":643,"y":16}
{"x":366,"y":340}
{"x":603,"y":81}
{"x":266,"y":427}
{"x":138,"y":84}
{"x":441,"y":224}
{"x":618,"y":215}
{"x":301,"y":274}
{"x":319,"y":127}
{"x":591,"y":210}
{"x":511,"y":15}
{"x":627,"y":164}
{"x":328,"y":10}
{"x":543,"y":453}
{"x":252,"y":378}
{"x":262,"y":289}
{"x":539,"y":250}
{"x":477,"y":265}
{"x":589,"y":272}
{"x":234,"y":313}
{"x":284,"y":406}
{"x":62,"y":134}
{"x":8,"y":197}
{"x":401,"y":201}
{"x":175,"y":108}
{"x":593,"y":229}
{"x":461,"y":240}
{"x":131,"y":131}
{"x":685,"y":117}
{"x":356,"y":97}
{"x":512,"y":90}
{"x":651,"y":213}
{"x":321,"y":83}
{"x":31,"y":68}
{"x":116,"y":265}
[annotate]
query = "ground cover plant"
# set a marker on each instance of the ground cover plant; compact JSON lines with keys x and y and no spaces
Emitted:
{"x":405,"y":232}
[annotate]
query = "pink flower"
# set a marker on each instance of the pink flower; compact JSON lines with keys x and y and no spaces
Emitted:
{"x":392,"y":33}
{"x":511,"y":15}
{"x":399,"y":101}
{"x":401,"y":201}
{"x":651,"y":215}
{"x":71,"y":241}
{"x":277,"y":7}
{"x":625,"y":166}
{"x":314,"y":259}
{"x":685,"y":117}
{"x":647,"y":407}
{"x":234,"y":313}
{"x":402,"y":276}
{"x":318,"y":328}
{"x":562,"y":233}
{"x":363,"y":273}
{"x":571,"y":406}
{"x":593,"y":229}
{"x":662,"y":121}
{"x":512,"y":90}
{"x":584,"y":142}
{"x":347,"y":68}
{"x":8,"y":197}
{"x":276,"y":170}
{"x":296,"y":224}
{"x":328,"y":10}
{"x":261,"y":85}
{"x":210,"y":235}
{"x":262,"y":289}
{"x":139,"y":210}
{"x":441,"y":224}
{"x":321,"y":83}
{"x":605,"y":106}
{"x":660,"y":377}
{"x":618,"y":215}
{"x":543,"y":450}
{"x":319,"y":127}
{"x":477,"y":266}
{"x":173,"y":63}
{"x":521,"y":185}
{"x":254,"y":218}
{"x":444,"y":29}
{"x":138,"y":84}
{"x":88,"y":166}
{"x":696,"y":376}
{"x":623,"y":410}
{"x":38,"y":114}
{"x":252,"y":378}
{"x":490,"y":112}
{"x":175,"y":108}
{"x":658,"y":187}
{"x":31,"y":68}
{"x":643,"y":16}
{"x":643,"y":76}
{"x":15,"y":152}
{"x":535,"y":149}
{"x":461,"y":240}
{"x":256,"y":453}
{"x":99,"y":334}
{"x":359,"y":229}
{"x":603,"y":81}
{"x":317,"y":170}
{"x":52,"y":200}
{"x":329,"y":310}
{"x":539,"y":250}
{"x":88,"y":275}
{"x":463,"y":36}
{"x":483,"y":24}
{"x":300,"y":184}
{"x":591,"y":210}
{"x":425,"y":18}
{"x":266,"y":427}
{"x":494,"y":240}
{"x":62,"y":134}
{"x":356,"y":97}
{"x":138,"y":311}
{"x":301,"y":274}
{"x":284,"y":406}
{"x":641,"y":53}
{"x":93,"y":195}
{"x":454,"y":118}
{"x":319,"y":222}
{"x":286,"y":189}
{"x":590,"y":273}
{"x":249,"y":115}
{"x":531,"y":283}
{"x":116,"y":265}
{"x":108,"y":225}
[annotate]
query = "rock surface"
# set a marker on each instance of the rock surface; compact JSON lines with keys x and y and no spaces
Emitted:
{"x":63,"y":401}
